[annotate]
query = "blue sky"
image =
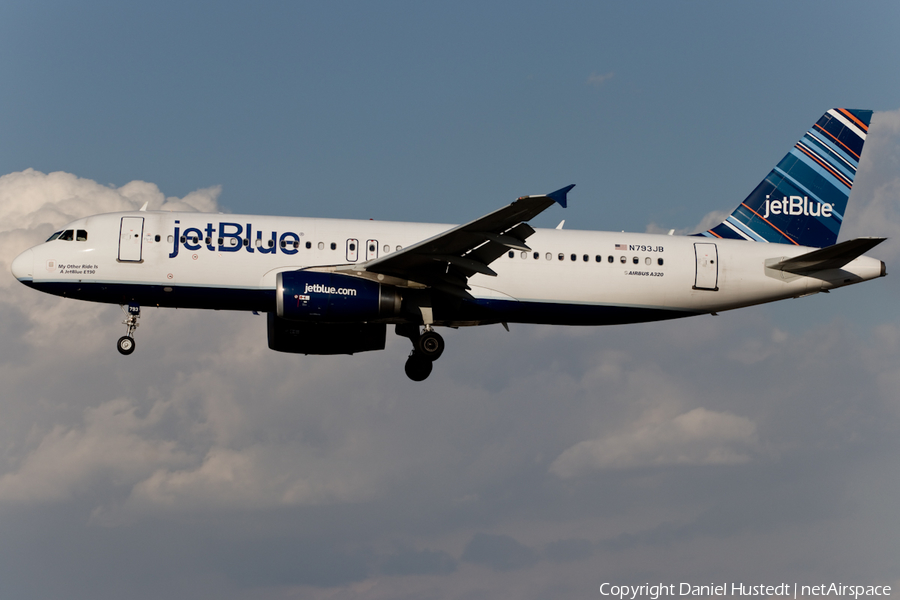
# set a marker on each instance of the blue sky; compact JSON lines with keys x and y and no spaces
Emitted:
{"x":431,"y":112}
{"x":202,"y":467}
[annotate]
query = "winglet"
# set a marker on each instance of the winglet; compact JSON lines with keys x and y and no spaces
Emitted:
{"x":560,"y":195}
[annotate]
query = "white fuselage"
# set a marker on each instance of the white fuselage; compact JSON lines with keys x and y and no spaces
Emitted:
{"x":225,"y":261}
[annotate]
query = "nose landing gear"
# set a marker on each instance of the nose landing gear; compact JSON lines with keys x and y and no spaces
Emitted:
{"x":125,"y":344}
{"x":427,"y":348}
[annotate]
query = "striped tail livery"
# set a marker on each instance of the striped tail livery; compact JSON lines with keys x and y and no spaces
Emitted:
{"x":803,"y":199}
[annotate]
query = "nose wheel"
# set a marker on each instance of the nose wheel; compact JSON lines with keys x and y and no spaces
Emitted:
{"x":125,"y":345}
{"x":427,"y":348}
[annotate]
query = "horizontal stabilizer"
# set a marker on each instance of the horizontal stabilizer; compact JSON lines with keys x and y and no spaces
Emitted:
{"x":832,"y":257}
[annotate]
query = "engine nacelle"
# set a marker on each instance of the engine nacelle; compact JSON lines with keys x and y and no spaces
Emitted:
{"x":333,"y":298}
{"x":325,"y":338}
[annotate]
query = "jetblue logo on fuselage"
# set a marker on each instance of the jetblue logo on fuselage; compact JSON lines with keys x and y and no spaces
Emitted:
{"x":230,"y":237}
{"x":797,"y":205}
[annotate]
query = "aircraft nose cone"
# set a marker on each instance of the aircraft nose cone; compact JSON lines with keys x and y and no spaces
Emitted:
{"x":23,"y":266}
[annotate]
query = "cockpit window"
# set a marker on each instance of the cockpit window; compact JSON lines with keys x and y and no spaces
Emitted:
{"x":68,"y":235}
{"x":81,"y":235}
{"x":54,"y":236}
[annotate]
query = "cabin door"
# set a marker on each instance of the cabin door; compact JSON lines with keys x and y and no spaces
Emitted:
{"x":131,"y":234}
{"x":707,"y":275}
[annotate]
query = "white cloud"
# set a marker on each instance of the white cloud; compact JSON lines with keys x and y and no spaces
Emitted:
{"x":697,"y":437}
{"x":30,"y":199}
{"x":111,"y":445}
{"x":204,"y":422}
{"x":597,"y":80}
{"x":259,"y":477}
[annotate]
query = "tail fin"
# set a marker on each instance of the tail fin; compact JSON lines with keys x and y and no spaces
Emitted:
{"x":802,"y":201}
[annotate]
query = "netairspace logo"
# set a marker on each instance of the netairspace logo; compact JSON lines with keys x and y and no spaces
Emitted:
{"x":656,"y":591}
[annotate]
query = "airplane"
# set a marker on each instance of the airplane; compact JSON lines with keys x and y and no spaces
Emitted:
{"x":332,"y":286}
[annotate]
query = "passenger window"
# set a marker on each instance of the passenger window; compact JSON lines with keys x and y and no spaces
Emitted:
{"x":524,"y":255}
{"x":333,"y":246}
{"x":221,"y":241}
{"x":585,"y":258}
{"x":572,"y":256}
{"x":387,"y":248}
{"x":321,"y":245}
{"x":296,"y":244}
{"x":659,"y":261}
{"x":399,"y":248}
{"x":182,"y":239}
{"x":81,"y":235}
{"x":512,"y":254}
{"x":598,"y":258}
{"x":647,"y":261}
{"x":157,"y":238}
{"x":246,"y":242}
{"x":352,"y":247}
{"x":562,"y":256}
{"x":283,"y":244}
{"x":271,"y":243}
{"x":54,"y":236}
{"x":257,"y":243}
{"x":548,"y":256}
{"x":170,"y":239}
{"x":308,"y":245}
{"x":611,"y":259}
{"x":537,"y":255}
{"x":635,"y":260}
{"x":623,"y":260}
{"x":67,"y":236}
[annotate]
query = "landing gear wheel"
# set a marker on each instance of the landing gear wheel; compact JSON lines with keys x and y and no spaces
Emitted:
{"x":418,"y":367}
{"x":126,"y":342}
{"x":430,"y":344}
{"x":125,"y":345}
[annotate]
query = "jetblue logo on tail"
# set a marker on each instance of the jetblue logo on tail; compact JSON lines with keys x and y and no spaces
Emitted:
{"x":797,"y":205}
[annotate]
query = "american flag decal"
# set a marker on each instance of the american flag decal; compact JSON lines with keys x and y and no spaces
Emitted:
{"x":621,"y":246}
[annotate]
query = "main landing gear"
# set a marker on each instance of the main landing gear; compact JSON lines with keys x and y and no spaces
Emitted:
{"x":427,"y":348}
{"x":126,"y":342}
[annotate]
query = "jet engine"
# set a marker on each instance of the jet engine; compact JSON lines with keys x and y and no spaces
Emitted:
{"x":333,"y":298}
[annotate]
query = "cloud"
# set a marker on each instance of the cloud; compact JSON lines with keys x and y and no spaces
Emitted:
{"x":597,"y":80}
{"x":30,"y":199}
{"x":338,"y":475}
{"x":697,"y":437}
{"x":112,"y":445}
{"x":256,"y":477}
{"x":498,"y":552}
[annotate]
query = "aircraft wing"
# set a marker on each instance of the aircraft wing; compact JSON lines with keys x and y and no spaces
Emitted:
{"x":447,"y":260}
